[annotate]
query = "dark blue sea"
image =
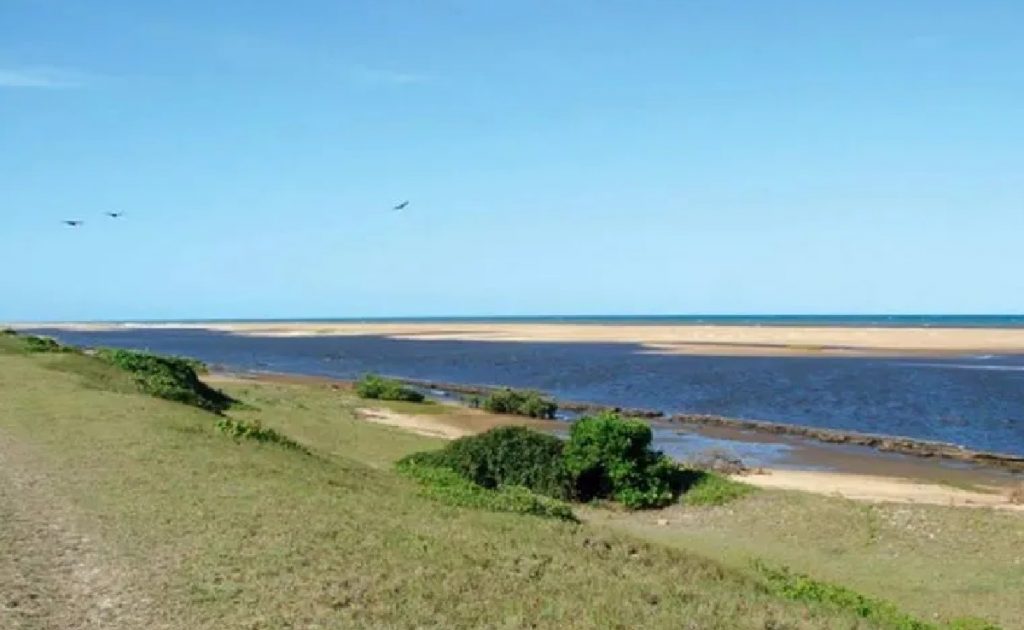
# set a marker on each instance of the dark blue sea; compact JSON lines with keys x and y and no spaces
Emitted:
{"x":975,"y":401}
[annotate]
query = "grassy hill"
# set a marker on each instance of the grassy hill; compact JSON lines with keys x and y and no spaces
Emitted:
{"x":118,"y":509}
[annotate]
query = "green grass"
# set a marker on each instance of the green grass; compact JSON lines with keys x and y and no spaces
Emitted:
{"x":714,"y":489}
{"x":937,"y":563}
{"x":220,"y":533}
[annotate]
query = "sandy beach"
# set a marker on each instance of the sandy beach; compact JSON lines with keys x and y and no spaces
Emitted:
{"x":668,"y":339}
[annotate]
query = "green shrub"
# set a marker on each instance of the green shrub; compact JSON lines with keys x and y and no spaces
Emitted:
{"x":8,"y":332}
{"x":448,"y":486}
{"x":520,"y":403}
{"x":167,"y":377}
{"x":708,"y":488}
{"x":377,"y":388}
{"x":609,"y":457}
{"x":34,"y":344}
{"x":254,"y":430}
{"x":506,"y":456}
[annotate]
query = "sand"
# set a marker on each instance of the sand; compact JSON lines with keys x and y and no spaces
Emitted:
{"x":666,"y":339}
{"x":880,"y":489}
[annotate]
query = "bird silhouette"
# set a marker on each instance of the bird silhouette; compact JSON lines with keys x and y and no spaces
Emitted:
{"x":114,"y":215}
{"x":401,"y":206}
{"x":74,"y":223}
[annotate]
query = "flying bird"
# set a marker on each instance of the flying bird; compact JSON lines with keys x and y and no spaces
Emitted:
{"x":401,"y":206}
{"x":75,"y":223}
{"x":114,"y":215}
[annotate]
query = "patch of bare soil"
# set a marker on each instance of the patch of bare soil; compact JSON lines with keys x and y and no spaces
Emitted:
{"x":54,"y":572}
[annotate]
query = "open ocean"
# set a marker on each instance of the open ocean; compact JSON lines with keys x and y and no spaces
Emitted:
{"x":975,"y":401}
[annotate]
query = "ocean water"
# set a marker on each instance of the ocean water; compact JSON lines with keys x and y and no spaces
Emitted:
{"x":975,"y":401}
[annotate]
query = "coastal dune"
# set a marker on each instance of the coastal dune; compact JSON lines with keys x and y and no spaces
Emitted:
{"x":655,"y":338}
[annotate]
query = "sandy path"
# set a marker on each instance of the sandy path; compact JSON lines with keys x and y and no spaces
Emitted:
{"x":673,"y":339}
{"x":54,"y":572}
{"x":429,"y":426}
{"x":878,"y":489}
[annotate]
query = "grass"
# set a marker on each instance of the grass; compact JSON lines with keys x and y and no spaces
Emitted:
{"x":712,"y":489}
{"x":211,"y":532}
{"x":936,"y":563}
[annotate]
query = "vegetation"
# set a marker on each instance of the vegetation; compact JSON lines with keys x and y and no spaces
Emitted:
{"x":167,"y":377}
{"x":377,"y":388}
{"x":709,"y":488}
{"x":452,"y":488}
{"x":185,"y":529}
{"x":14,"y":342}
{"x":254,"y":430}
{"x":885,"y":614}
{"x":519,"y":403}
{"x":608,"y":456}
{"x":505,"y":456}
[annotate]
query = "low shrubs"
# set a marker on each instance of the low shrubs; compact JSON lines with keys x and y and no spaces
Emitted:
{"x":377,"y":388}
{"x":795,"y":586}
{"x":254,"y":430}
{"x":167,"y":377}
{"x":710,"y":488}
{"x":506,"y":456}
{"x":36,"y":344}
{"x":609,"y":457}
{"x":519,"y":403}
{"x":448,"y":486}
{"x":605,"y":457}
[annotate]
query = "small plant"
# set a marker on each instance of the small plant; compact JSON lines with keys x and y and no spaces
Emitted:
{"x":506,"y":456}
{"x":167,"y":377}
{"x":710,"y":488}
{"x":254,"y":430}
{"x":520,"y":403}
{"x":375,"y":387}
{"x":448,"y":486}
{"x":8,"y":332}
{"x":609,"y":457}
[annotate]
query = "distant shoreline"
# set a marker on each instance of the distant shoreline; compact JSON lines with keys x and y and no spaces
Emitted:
{"x":654,"y":338}
{"x":760,"y":320}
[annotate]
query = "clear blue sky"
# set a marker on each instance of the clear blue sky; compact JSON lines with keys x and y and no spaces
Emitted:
{"x":560,"y":157}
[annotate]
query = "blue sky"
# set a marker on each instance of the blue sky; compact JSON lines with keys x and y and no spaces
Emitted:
{"x":568,"y":157}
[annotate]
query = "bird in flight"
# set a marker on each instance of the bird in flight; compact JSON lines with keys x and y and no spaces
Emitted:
{"x":401,"y":206}
{"x":74,"y":223}
{"x":114,"y":215}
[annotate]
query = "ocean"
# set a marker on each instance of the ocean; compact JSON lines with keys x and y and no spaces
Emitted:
{"x":974,"y":401}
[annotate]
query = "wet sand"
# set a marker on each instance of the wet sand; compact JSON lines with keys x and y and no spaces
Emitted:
{"x":655,"y":338}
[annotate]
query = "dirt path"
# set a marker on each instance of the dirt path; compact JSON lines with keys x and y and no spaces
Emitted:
{"x":879,"y":489}
{"x":54,"y":572}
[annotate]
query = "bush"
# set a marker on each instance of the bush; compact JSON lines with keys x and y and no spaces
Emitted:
{"x":506,"y":456}
{"x":448,"y":486}
{"x":167,"y":377}
{"x":520,"y":403}
{"x":377,"y":388}
{"x":33,"y":343}
{"x":609,"y":457}
{"x":254,"y":430}
{"x":708,"y":488}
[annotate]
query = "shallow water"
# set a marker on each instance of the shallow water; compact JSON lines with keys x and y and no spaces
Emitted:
{"x":974,"y":401}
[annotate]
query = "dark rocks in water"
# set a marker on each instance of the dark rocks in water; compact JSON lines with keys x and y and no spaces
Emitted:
{"x":893,"y":444}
